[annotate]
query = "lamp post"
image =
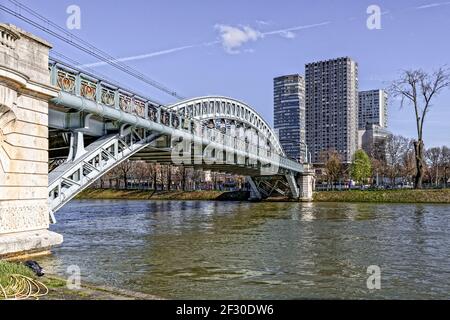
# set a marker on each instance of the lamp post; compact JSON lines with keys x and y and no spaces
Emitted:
{"x":307,"y":154}
{"x":301,"y":143}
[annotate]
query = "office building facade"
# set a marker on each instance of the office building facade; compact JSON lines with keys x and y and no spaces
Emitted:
{"x":372,"y":109}
{"x":290,"y":114}
{"x":332,"y":108}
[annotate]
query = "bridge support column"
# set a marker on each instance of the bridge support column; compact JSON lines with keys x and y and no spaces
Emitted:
{"x":24,"y":94}
{"x":293,"y":185}
{"x":255,"y":194}
{"x":306,"y":182}
{"x":76,"y":146}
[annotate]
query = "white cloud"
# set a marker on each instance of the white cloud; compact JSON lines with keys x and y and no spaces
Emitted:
{"x":433,"y":5}
{"x":283,"y":32}
{"x":263,"y":23}
{"x":139,"y":57}
{"x":150,"y":55}
{"x":288,"y":34}
{"x":233,"y":38}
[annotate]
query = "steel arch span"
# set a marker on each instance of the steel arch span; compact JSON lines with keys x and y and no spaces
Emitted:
{"x":119,"y":125}
{"x":218,"y":108}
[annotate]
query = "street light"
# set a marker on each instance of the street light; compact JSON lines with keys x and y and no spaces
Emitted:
{"x":301,"y":143}
{"x":307,"y":154}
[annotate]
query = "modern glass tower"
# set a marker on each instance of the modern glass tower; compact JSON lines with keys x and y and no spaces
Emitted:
{"x":372,"y":108}
{"x":290,"y":115}
{"x":332,"y":108}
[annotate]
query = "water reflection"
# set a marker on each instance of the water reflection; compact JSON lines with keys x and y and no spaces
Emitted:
{"x":215,"y":250}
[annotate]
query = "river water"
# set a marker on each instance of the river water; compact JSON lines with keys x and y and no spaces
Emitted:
{"x":234,"y":250}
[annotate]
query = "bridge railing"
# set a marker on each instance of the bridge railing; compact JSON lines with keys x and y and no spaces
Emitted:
{"x":88,"y":86}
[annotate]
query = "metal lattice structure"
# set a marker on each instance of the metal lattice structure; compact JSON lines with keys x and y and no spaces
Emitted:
{"x":228,"y":112}
{"x":124,"y":125}
{"x":72,"y":177}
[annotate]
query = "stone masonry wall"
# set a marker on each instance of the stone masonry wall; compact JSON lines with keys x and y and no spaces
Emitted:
{"x":24,"y":93}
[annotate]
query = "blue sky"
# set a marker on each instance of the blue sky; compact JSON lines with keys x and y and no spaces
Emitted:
{"x":235,"y":48}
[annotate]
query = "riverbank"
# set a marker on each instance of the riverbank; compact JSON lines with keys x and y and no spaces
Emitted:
{"x":58,"y":290}
{"x":19,"y":282}
{"x":113,"y":194}
{"x":379,"y":196}
{"x":385,"y":196}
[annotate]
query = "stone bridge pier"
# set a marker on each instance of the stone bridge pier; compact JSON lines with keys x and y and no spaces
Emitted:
{"x":306,"y":182}
{"x":24,"y":94}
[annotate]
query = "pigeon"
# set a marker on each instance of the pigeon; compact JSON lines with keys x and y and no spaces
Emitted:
{"x":33,"y":265}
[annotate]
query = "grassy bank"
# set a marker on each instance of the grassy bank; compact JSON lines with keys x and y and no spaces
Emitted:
{"x":385,"y":196}
{"x":112,"y":194}
{"x":7,"y":269}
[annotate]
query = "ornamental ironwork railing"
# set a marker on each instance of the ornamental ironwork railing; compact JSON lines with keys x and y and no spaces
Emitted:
{"x":90,"y":87}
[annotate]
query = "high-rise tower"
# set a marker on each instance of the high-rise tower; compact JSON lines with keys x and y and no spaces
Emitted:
{"x":332,"y":108}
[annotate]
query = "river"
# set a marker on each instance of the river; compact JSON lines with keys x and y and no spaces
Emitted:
{"x":242,"y":250}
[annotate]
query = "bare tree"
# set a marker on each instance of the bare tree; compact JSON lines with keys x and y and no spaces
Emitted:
{"x":142,"y":172}
{"x":156,"y":174}
{"x":396,"y":147}
{"x":419,"y":88}
{"x":408,"y":169}
{"x":333,"y":165}
{"x":434,"y":155}
{"x":114,"y":176}
{"x":197,"y":177}
{"x":215,"y":177}
{"x":124,"y":169}
{"x":151,"y":175}
{"x":101,"y":181}
{"x":162,"y":175}
{"x":378,"y":150}
{"x":183,"y":175}
{"x":445,"y":163}
{"x":169,"y":177}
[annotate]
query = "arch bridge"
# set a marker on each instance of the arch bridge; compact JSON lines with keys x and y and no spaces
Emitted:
{"x":62,"y":129}
{"x":94,"y":125}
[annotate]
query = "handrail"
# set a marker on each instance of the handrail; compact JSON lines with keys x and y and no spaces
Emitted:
{"x":90,"y":87}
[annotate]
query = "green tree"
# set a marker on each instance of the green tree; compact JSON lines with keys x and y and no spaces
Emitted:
{"x":361,"y":168}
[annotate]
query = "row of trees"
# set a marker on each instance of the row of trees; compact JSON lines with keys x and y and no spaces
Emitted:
{"x":399,"y":157}
{"x":390,"y":161}
{"x":144,"y":175}
{"x":395,"y":158}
